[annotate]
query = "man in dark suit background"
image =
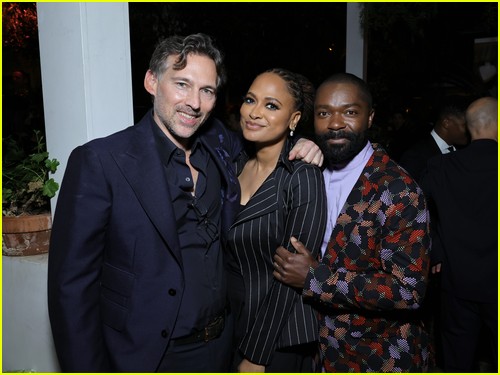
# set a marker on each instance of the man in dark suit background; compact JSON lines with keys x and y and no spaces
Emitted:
{"x":448,"y":132}
{"x":464,"y":188}
{"x":136,"y":280}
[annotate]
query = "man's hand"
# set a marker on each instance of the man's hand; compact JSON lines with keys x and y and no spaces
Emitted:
{"x":308,"y":151}
{"x":247,"y":366}
{"x":436,"y":268}
{"x":292,"y":268}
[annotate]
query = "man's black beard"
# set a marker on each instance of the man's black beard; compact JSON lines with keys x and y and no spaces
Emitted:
{"x":335,"y":154}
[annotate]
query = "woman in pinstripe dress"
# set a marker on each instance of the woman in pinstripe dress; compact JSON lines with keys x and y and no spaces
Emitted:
{"x":275,"y":330}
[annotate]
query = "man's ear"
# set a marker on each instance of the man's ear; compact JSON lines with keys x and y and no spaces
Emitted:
{"x":370,"y":118}
{"x":150,"y":82}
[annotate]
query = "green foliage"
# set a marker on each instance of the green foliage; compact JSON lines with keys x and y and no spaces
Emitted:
{"x":26,"y":185}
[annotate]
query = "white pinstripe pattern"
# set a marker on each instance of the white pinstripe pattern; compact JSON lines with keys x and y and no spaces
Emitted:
{"x":290,"y":202}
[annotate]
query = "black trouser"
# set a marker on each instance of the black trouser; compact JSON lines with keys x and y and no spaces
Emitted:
{"x":462,"y":321}
{"x":211,"y":356}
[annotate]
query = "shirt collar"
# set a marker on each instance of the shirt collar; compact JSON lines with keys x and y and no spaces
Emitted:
{"x":165,"y":145}
{"x":441,"y":143}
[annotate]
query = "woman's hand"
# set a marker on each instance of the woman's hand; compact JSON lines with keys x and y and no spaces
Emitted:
{"x":247,"y":366}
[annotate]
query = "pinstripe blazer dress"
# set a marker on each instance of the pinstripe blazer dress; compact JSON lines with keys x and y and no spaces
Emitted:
{"x":269,"y":314}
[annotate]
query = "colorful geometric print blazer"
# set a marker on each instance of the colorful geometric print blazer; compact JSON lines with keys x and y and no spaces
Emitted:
{"x":373,"y":275}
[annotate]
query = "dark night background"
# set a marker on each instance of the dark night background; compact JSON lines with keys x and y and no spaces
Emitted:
{"x":419,"y":55}
{"x":254,"y":37}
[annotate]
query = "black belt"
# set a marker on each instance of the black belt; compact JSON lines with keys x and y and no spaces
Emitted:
{"x":210,"y":332}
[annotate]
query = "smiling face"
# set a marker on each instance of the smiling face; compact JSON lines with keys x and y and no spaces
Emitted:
{"x":342,"y":116}
{"x":183,"y":99}
{"x":268,"y":110}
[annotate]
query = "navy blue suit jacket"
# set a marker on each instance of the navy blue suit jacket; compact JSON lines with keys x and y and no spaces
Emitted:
{"x":115,"y":270}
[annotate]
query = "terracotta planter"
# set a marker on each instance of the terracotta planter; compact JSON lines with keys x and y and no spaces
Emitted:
{"x":26,"y":235}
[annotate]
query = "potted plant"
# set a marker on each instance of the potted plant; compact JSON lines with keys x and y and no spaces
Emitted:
{"x":26,"y":192}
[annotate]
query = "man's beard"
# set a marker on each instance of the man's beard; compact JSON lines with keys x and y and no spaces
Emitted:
{"x":335,"y":154}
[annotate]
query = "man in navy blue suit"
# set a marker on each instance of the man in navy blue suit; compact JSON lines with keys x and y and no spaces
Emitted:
{"x":136,"y":280}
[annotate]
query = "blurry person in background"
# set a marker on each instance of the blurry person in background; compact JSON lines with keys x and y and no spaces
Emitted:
{"x":463,"y":186}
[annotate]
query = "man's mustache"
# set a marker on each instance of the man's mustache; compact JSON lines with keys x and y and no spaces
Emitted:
{"x":337,"y":134}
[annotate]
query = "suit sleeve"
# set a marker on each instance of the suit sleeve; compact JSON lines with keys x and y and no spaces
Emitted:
{"x":75,"y":259}
{"x":428,"y":183}
{"x":306,"y":220}
{"x":234,"y":144}
{"x":414,"y":163}
{"x":400,"y":278}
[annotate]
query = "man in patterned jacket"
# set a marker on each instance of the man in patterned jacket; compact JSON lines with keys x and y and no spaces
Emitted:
{"x":372,"y":277}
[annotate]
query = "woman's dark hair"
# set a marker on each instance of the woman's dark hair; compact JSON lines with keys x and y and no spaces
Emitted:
{"x":302,"y":90}
{"x":198,"y":44}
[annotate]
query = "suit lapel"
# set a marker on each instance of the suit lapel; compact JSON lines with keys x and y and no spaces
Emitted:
{"x":363,"y":186}
{"x":213,"y":142}
{"x":142,"y":168}
{"x":267,"y":198}
{"x":264,"y":201}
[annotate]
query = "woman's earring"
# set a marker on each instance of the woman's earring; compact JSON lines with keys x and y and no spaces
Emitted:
{"x":291,"y":132}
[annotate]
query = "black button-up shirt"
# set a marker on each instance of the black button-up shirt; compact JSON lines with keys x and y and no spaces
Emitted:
{"x":198,"y":225}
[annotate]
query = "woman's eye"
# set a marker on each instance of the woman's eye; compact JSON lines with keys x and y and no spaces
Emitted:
{"x":248,"y":100}
{"x":272,"y":106}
